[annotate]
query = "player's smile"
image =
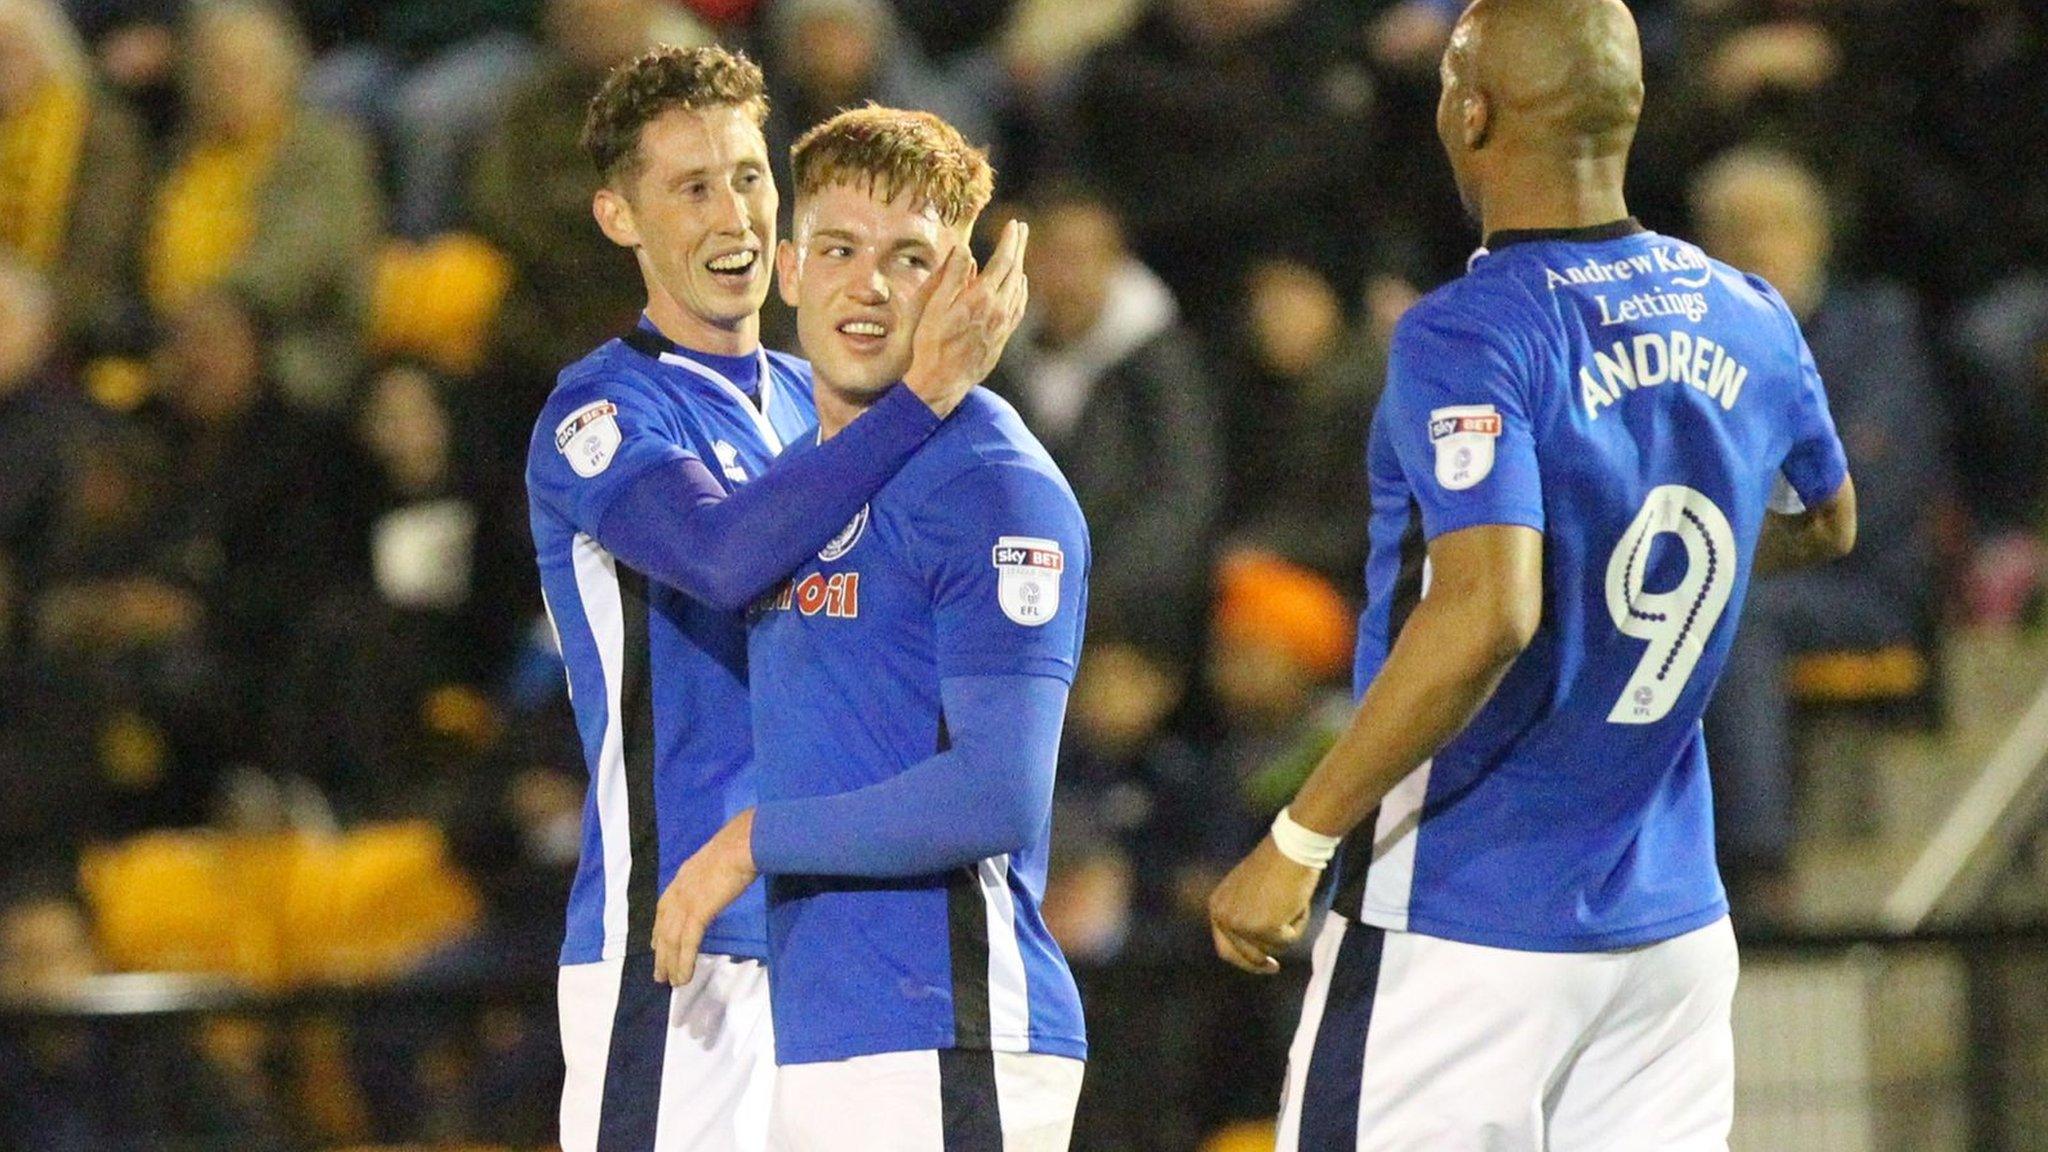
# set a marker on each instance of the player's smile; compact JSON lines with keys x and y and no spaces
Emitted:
{"x":736,"y":269}
{"x":865,"y":335}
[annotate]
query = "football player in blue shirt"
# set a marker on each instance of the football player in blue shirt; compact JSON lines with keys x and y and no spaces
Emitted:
{"x":1586,"y":446}
{"x":909,"y":686}
{"x":652,"y":532}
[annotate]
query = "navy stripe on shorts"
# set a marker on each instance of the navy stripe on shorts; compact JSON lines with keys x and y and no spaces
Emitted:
{"x":1336,"y":1068}
{"x":632,"y":1075}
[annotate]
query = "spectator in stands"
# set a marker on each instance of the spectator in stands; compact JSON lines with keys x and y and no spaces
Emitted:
{"x":1973,"y":79}
{"x":54,"y":800}
{"x":50,"y":797}
{"x":265,"y":512}
{"x":1146,"y":789}
{"x":1955,"y":202}
{"x":1409,"y":35}
{"x":382,"y":701}
{"x":1222,"y":129}
{"x":825,"y":55}
{"x":72,"y":172}
{"x":78,"y":1088}
{"x":1280,"y":651}
{"x":1298,"y":417}
{"x":1766,"y":213}
{"x":122,"y":643}
{"x":2001,"y":341}
{"x":1113,"y":383}
{"x":1835,"y":82}
{"x":1116,"y":387}
{"x":135,"y":45}
{"x":530,"y":197}
{"x":427,"y":81}
{"x":40,"y":417}
{"x":189,"y":545}
{"x":270,"y":198}
{"x":1090,"y":888}
{"x":1924,"y":119}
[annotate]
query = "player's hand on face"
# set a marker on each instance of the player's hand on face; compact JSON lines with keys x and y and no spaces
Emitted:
{"x":967,"y":320}
{"x":704,"y":886}
{"x":1261,"y":908}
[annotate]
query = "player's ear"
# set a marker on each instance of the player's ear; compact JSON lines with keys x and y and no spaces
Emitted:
{"x":789,"y":271}
{"x":1475,"y":120}
{"x":615,"y":217}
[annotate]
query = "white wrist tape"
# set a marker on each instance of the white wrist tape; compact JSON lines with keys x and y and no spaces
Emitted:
{"x":1306,"y":848}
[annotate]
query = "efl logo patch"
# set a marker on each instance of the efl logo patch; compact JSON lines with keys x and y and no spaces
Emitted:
{"x":1464,"y":438}
{"x":589,"y":438}
{"x":1028,"y":578}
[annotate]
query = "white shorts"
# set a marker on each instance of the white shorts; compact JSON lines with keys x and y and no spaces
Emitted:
{"x":1409,"y":1042}
{"x":952,"y":1100}
{"x":657,"y":1069}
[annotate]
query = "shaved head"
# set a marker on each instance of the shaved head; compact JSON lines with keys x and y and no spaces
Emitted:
{"x":1567,"y":72}
{"x":1554,"y":82}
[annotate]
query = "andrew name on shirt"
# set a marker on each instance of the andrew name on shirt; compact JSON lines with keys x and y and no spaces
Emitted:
{"x":1652,"y":358}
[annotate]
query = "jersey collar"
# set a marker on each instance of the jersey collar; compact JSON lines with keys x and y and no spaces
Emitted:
{"x":1612,"y":230}
{"x":650,"y":343}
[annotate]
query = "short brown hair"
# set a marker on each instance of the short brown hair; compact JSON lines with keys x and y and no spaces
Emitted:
{"x":662,"y":79}
{"x":889,"y":151}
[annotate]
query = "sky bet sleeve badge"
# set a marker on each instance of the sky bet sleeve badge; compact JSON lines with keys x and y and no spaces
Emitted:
{"x":589,"y":437}
{"x":1028,"y":579}
{"x":1464,"y":438}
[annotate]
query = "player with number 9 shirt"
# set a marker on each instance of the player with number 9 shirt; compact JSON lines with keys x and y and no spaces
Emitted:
{"x":1586,"y":446}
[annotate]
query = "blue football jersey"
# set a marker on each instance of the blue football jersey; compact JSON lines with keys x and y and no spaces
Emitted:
{"x":1641,"y":405}
{"x":972,"y":561}
{"x":658,"y":681}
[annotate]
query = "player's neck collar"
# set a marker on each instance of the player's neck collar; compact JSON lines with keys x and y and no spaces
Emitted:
{"x":743,"y":370}
{"x":1612,"y":230}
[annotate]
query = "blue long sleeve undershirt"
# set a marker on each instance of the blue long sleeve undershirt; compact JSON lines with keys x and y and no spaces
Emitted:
{"x":988,"y":794}
{"x":676,"y":524}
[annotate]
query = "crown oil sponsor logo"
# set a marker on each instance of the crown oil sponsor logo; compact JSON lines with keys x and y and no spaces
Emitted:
{"x":836,"y":596}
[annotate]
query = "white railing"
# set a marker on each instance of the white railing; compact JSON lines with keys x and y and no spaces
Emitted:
{"x":1981,"y":834}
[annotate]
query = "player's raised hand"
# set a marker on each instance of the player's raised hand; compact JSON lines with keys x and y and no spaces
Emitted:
{"x":1261,"y":908}
{"x":966,"y":321}
{"x":706,"y":883}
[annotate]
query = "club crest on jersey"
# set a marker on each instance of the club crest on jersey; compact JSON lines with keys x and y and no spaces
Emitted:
{"x":848,"y":536}
{"x":589,"y":437}
{"x":1464,"y":437}
{"x":1028,"y":578}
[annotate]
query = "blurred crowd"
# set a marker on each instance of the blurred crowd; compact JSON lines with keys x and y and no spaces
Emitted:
{"x":283,"y":284}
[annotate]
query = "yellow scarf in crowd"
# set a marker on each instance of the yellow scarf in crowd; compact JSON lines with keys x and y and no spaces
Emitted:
{"x":40,"y":144}
{"x":205,"y":216}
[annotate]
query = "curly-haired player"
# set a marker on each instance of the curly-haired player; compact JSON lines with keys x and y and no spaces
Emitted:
{"x":656,"y":520}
